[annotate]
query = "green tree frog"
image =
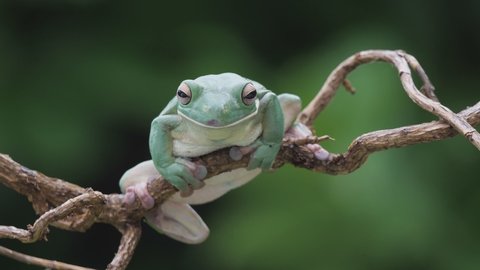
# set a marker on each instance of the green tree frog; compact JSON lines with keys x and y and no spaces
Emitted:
{"x":210,"y":113}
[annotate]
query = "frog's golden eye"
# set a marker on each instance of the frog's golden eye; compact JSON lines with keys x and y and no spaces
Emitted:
{"x":249,"y":94}
{"x":184,"y":95}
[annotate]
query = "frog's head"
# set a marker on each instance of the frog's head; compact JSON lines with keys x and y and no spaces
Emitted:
{"x":218,"y":101}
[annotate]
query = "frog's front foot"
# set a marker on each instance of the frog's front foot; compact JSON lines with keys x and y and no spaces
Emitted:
{"x":185,"y":175}
{"x":299,"y":131}
{"x":263,"y":154}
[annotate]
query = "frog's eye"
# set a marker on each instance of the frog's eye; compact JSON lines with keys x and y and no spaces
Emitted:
{"x":184,"y":94}
{"x":249,"y":94}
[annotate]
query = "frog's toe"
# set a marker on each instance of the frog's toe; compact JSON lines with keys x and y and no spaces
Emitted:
{"x":237,"y":152}
{"x":139,"y":191}
{"x":192,"y":181}
{"x":266,"y":164}
{"x":129,"y":196}
{"x":200,"y":172}
{"x":322,"y":154}
{"x":319,"y":152}
{"x":197,"y":170}
{"x":181,"y":185}
{"x":254,"y":163}
{"x":186,"y":192}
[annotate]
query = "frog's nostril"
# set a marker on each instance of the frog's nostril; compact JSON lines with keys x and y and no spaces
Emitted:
{"x":213,"y":122}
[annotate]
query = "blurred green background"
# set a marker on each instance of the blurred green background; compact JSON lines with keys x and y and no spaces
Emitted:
{"x":80,"y":82}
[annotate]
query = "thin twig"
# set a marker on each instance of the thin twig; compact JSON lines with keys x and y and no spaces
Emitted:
{"x":31,"y":260}
{"x":306,"y":140}
{"x":130,"y":237}
{"x":348,"y":86}
{"x":427,"y":88}
{"x":13,"y":233}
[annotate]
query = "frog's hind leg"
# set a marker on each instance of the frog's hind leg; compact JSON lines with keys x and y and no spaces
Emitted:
{"x":291,"y":106}
{"x":178,"y":221}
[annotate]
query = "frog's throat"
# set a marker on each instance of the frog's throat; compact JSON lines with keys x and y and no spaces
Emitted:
{"x":251,"y":115}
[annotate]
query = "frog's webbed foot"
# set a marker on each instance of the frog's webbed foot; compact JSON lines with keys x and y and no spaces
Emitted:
{"x":178,"y":221}
{"x":185,"y":175}
{"x":262,"y":157}
{"x":299,"y":131}
{"x":134,"y":184}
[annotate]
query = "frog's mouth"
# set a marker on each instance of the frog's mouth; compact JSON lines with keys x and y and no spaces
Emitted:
{"x":214,"y":121}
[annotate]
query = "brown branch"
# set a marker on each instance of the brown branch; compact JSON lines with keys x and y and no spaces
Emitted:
{"x":306,"y":140}
{"x":40,"y":227}
{"x":27,"y":259}
{"x":71,"y":207}
{"x":130,"y":237}
{"x":427,"y":88}
{"x":380,"y":140}
{"x":402,"y":62}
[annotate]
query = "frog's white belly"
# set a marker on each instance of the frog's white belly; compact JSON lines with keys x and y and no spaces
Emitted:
{"x":192,"y":140}
{"x":217,"y":186}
